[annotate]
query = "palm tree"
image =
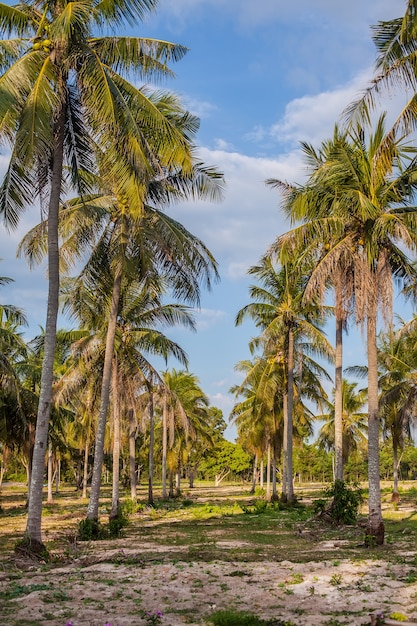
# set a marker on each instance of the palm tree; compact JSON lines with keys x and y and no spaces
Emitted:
{"x":13,"y":352}
{"x":146,"y":244}
{"x":312,"y":205}
{"x":62,"y":88}
{"x":370,"y":227}
{"x":184,"y":417}
{"x":137,"y":337}
{"x":284,"y":321}
{"x":258,"y":414}
{"x":398,"y":391}
{"x":353,"y":421}
{"x":396,"y":44}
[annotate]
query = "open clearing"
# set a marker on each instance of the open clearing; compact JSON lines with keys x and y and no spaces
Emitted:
{"x":203,"y":553}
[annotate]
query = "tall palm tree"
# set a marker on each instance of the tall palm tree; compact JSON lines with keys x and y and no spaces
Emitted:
{"x":258,"y":412}
{"x":63,"y":87}
{"x":184,"y":416}
{"x":138,"y":337}
{"x":145,"y":244}
{"x":310,"y":206}
{"x":13,"y":352}
{"x":353,"y":421}
{"x":278,"y":311}
{"x":396,"y":45}
{"x":398,"y":390}
{"x":371,"y":226}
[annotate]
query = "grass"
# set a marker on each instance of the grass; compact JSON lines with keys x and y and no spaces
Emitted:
{"x":205,"y":527}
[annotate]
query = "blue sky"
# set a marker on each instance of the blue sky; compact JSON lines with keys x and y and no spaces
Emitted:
{"x":262,"y":76}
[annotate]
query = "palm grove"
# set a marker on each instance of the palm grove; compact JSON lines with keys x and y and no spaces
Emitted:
{"x":105,"y":159}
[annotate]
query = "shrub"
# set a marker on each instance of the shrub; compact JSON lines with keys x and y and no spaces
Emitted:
{"x":117,"y":523}
{"x":91,"y":530}
{"x":341,"y":504}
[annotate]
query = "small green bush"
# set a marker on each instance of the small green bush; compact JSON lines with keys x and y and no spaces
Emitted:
{"x":91,"y":530}
{"x":341,"y":503}
{"x":118,"y":523}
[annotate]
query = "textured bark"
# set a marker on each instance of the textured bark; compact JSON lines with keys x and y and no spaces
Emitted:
{"x":268,"y":473}
{"x":290,"y":485}
{"x":261,"y":473}
{"x":85,"y":469}
{"x":254,"y":474}
{"x":34,"y":520}
{"x":274,"y":495}
{"x":164,"y":445}
{"x":151,"y":444}
{"x":58,"y":475}
{"x":338,"y":397}
{"x":132,"y":455}
{"x":178,"y":480}
{"x":395,"y":494}
{"x":375,"y":529}
{"x":92,"y":511}
{"x":115,"y":502}
{"x":50,"y":499}
{"x":284,"y":485}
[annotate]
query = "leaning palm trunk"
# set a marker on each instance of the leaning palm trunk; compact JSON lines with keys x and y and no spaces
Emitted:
{"x":34,"y":520}
{"x":375,"y":528}
{"x":92,"y":511}
{"x":338,"y":396}
{"x":116,"y":447}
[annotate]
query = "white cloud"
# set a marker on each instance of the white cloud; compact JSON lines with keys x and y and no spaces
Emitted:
{"x":312,"y":118}
{"x":251,"y":13}
{"x":207,"y":318}
{"x":199,"y":107}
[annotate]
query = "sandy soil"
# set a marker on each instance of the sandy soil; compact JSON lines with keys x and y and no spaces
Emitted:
{"x":117,"y":588}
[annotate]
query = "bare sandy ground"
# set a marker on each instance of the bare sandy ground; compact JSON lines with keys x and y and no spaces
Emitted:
{"x":114,"y":588}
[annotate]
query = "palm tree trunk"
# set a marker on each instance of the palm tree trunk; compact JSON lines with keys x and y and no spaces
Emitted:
{"x":132,"y":455}
{"x":34,"y":520}
{"x":50,"y":498}
{"x":164,"y":445}
{"x":115,"y":504}
{"x":178,"y":479}
{"x":338,"y":396}
{"x":395,"y":495}
{"x":284,"y":485}
{"x":85,"y":469}
{"x":268,"y":473}
{"x":92,"y":511}
{"x":290,"y":487}
{"x":255,"y":473}
{"x":261,"y":473}
{"x":274,"y":495}
{"x":375,"y":529}
{"x":58,"y":473}
{"x":151,"y":443}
